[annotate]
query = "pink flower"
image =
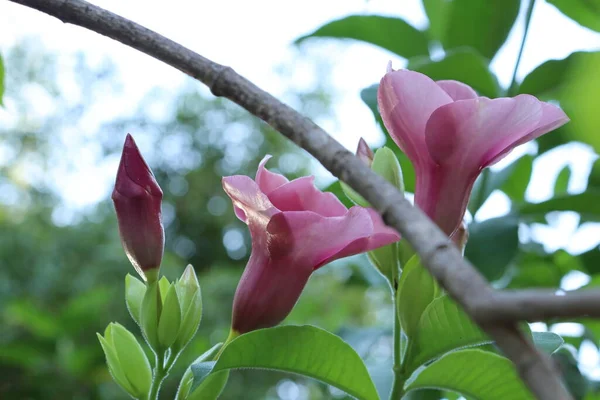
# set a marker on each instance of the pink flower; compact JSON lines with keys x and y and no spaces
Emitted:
{"x":137,"y":199}
{"x":450,"y":134}
{"x":295,"y":230}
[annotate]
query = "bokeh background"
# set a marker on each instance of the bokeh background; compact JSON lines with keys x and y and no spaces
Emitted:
{"x":70,"y":96}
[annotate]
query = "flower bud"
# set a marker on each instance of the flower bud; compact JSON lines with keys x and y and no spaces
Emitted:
{"x":126,"y":360}
{"x":364,"y":152}
{"x":190,"y":299}
{"x":137,"y":199}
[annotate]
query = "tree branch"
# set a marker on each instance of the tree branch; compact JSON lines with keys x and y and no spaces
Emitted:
{"x":438,"y":254}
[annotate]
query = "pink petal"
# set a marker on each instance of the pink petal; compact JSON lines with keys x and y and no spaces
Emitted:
{"x":552,"y":118}
{"x":457,"y":90}
{"x":382,"y":235}
{"x":268,"y":181}
{"x":247,"y":198}
{"x":302,"y":195}
{"x":476,"y":130}
{"x":406,"y":101}
{"x":307,"y":238}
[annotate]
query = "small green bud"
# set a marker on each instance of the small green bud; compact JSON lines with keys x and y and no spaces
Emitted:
{"x":134,"y":294}
{"x":126,"y":360}
{"x":416,"y":289}
{"x":190,"y":299}
{"x":385,"y":163}
{"x":170,"y":319}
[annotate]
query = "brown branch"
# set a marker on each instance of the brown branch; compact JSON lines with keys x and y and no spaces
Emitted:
{"x":537,"y":305}
{"x":438,"y":254}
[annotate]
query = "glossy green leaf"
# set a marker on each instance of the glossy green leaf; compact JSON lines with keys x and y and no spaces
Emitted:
{"x":112,"y":361}
{"x":304,"y":350}
{"x":549,"y":342}
{"x":170,"y":319}
{"x":134,"y":295}
{"x":585,"y":12}
{"x":481,"y":25}
{"x":575,"y":381}
{"x":513,"y":180}
{"x":463,"y":65}
{"x":574,"y":83}
{"x":443,"y":327}
{"x":211,"y":387}
{"x":393,"y":34}
{"x":561,"y":184}
{"x":492,"y":245}
{"x":416,"y":290}
{"x":587,"y":204}
{"x":473,"y":373}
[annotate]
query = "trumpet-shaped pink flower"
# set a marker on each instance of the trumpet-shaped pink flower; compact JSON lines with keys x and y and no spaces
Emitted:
{"x":137,"y":199}
{"x":295,"y":229}
{"x":450,"y":134}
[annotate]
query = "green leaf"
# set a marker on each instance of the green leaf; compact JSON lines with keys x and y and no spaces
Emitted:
{"x":549,"y":342}
{"x":463,"y":65}
{"x":561,"y":184}
{"x":190,"y":322}
{"x":574,"y":83}
{"x":585,"y":12}
{"x":393,"y":34}
{"x":150,"y":312}
{"x":112,"y":361}
{"x":513,"y":180}
{"x":416,"y":290}
{"x":473,"y":373}
{"x":492,"y":245}
{"x":443,"y":327}
{"x":133,"y":360}
{"x":211,"y":387}
{"x":304,"y":350}
{"x":1,"y":80}
{"x":164,"y":286}
{"x":587,"y":204}
{"x":170,"y":319}
{"x":481,"y":25}
{"x":134,"y":295}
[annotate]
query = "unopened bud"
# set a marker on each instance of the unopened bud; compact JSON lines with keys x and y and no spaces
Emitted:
{"x":137,"y":199}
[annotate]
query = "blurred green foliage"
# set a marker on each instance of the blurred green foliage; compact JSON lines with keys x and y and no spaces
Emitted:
{"x":61,"y":274}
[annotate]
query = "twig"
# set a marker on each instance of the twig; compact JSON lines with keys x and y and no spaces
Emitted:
{"x":537,"y":305}
{"x":438,"y":254}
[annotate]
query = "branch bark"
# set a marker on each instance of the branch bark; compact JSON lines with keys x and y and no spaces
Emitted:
{"x":495,"y":312}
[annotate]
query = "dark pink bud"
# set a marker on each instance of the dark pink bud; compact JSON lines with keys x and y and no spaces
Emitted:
{"x":137,"y":199}
{"x":364,"y":152}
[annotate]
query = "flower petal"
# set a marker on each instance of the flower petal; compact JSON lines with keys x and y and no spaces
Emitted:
{"x":406,"y":101}
{"x":302,"y":195}
{"x":382,"y":235}
{"x":268,"y":181}
{"x":247,"y":198}
{"x":457,"y":90}
{"x":307,"y":238}
{"x":475,"y":131}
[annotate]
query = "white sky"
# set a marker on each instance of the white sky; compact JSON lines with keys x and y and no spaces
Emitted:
{"x":253,"y":38}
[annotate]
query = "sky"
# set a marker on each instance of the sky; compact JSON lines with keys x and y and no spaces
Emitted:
{"x":255,"y":37}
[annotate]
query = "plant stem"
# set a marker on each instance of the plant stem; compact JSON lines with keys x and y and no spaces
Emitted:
{"x":513,"y":82}
{"x":160,"y":373}
{"x":398,"y":385}
{"x":399,"y":379}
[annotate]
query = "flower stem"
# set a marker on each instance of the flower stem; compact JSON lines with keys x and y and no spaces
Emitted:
{"x":399,"y":379}
{"x":513,"y":83}
{"x":160,"y":373}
